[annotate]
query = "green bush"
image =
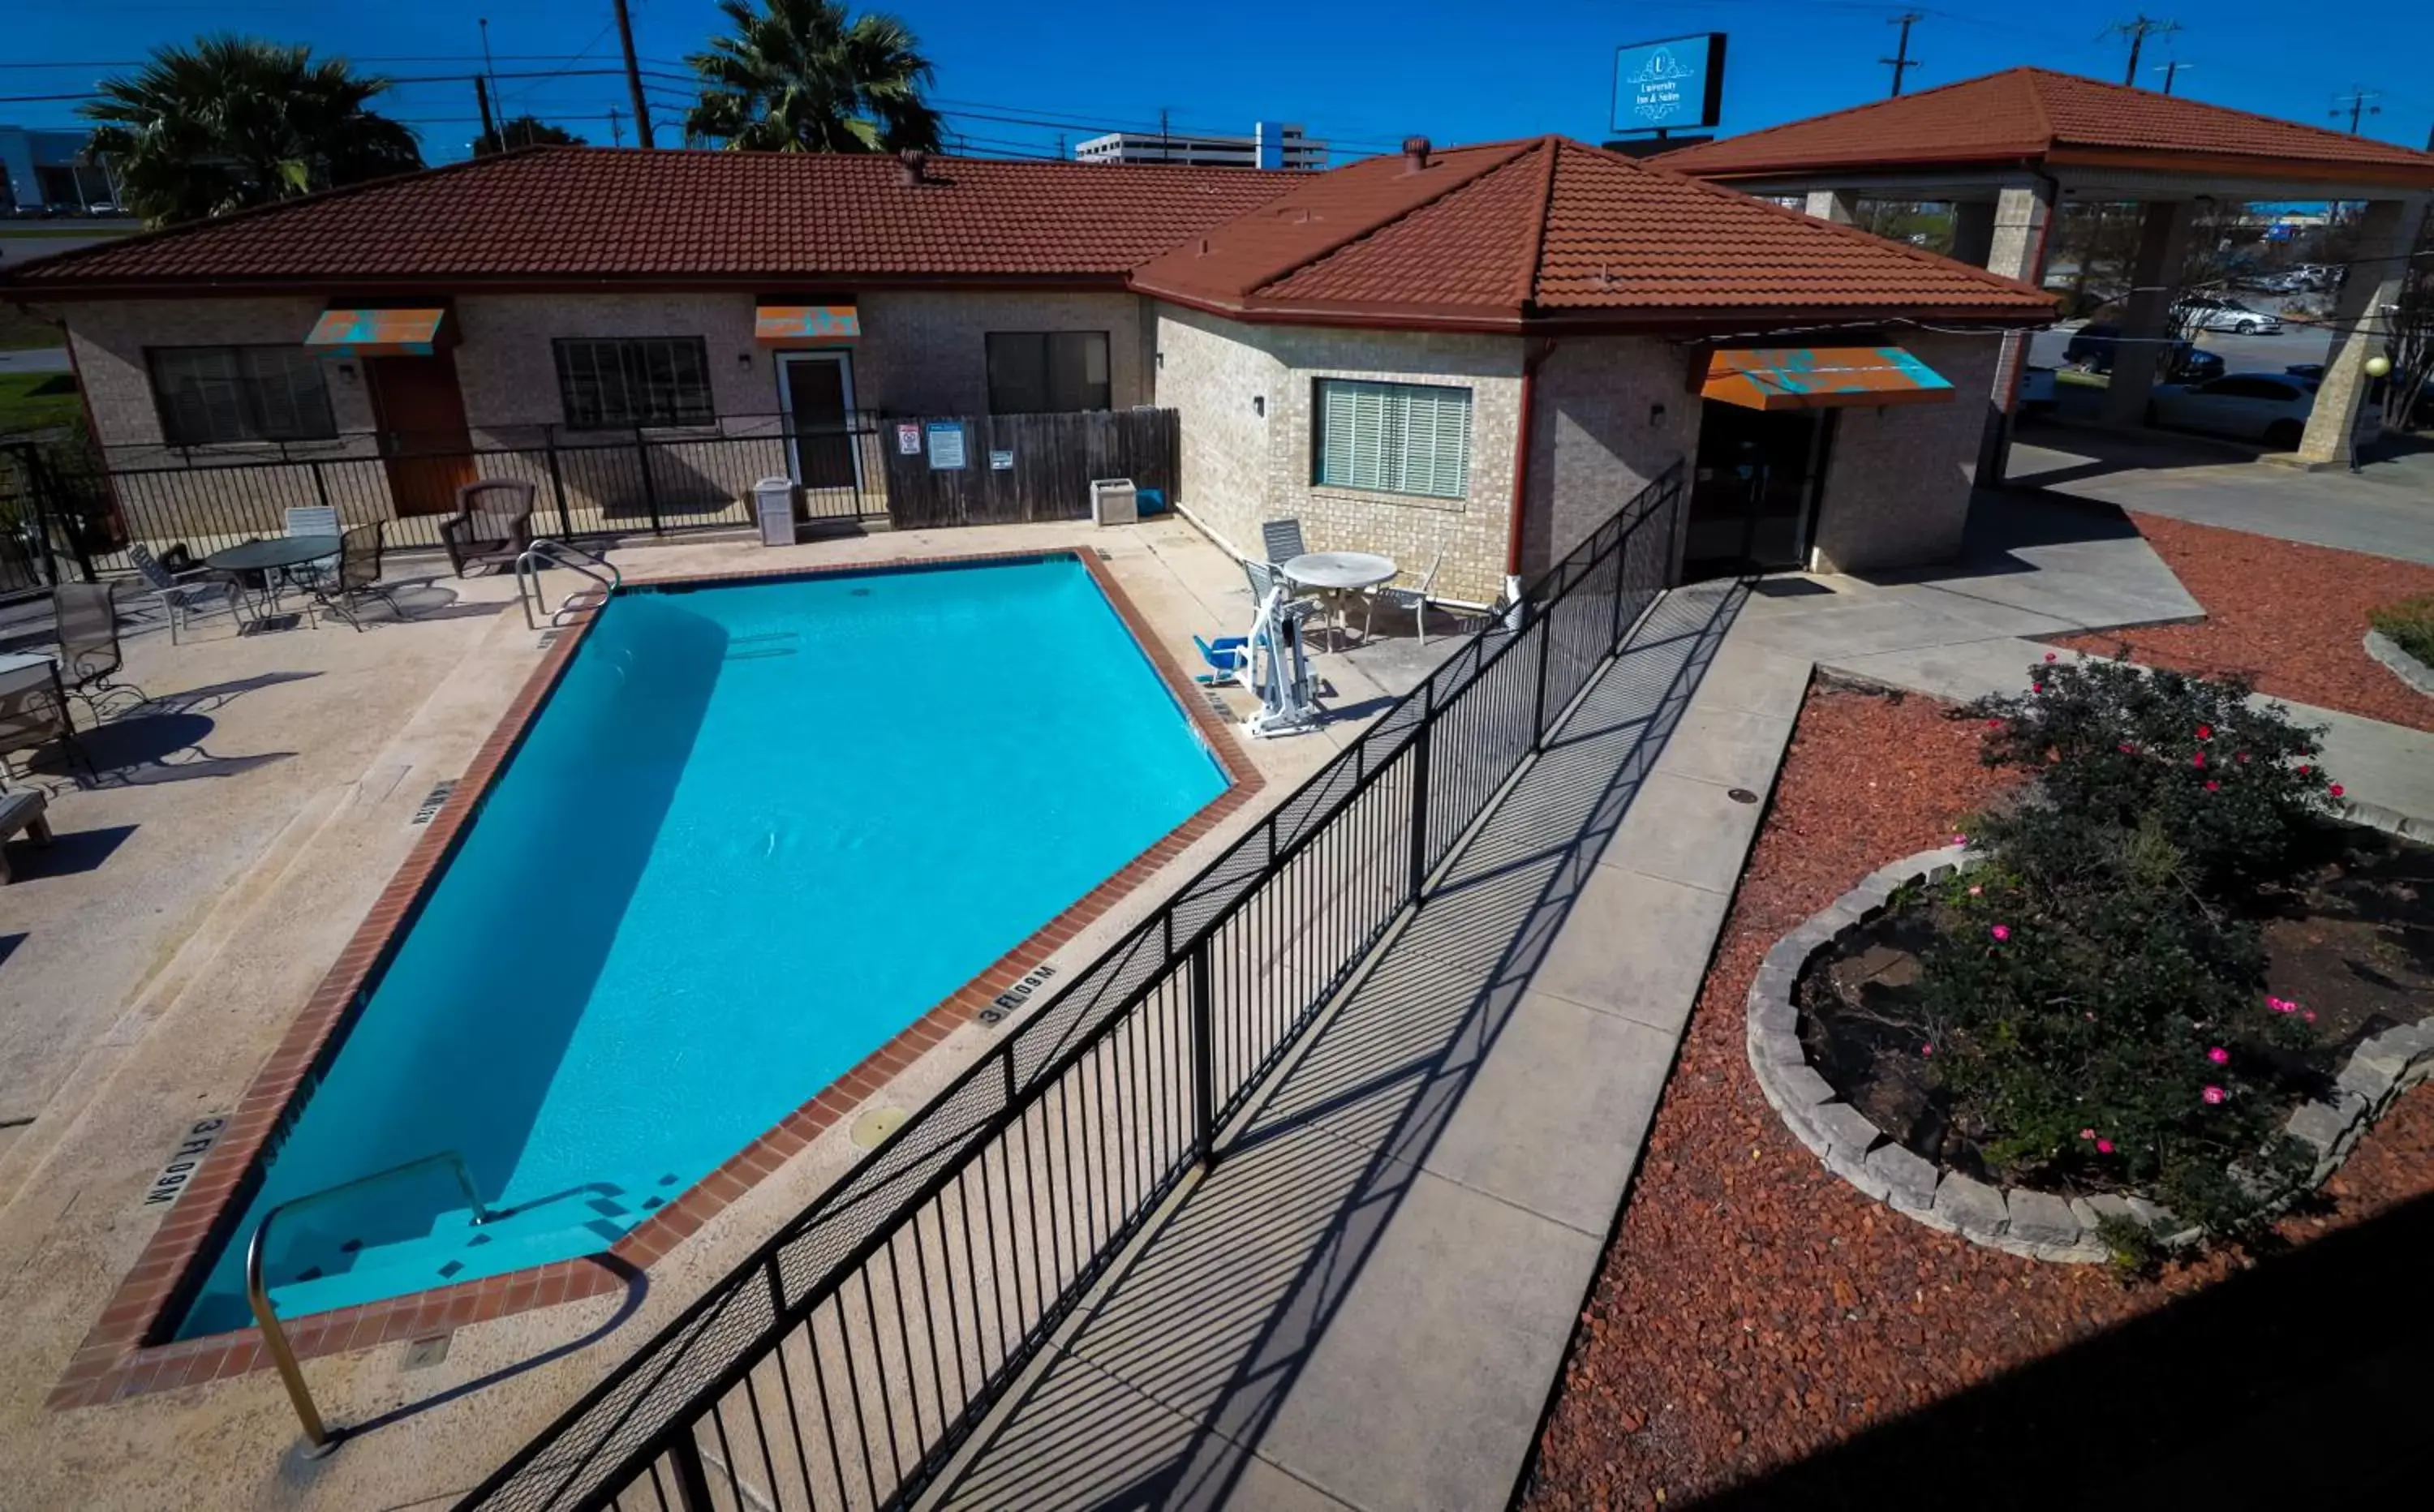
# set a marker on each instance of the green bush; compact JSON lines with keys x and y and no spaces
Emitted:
{"x":2411,"y":624}
{"x":2094,"y":995}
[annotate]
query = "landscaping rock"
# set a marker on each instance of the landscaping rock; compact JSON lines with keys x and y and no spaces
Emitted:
{"x":1909,"y":1179}
{"x":1974,"y":1207}
{"x":1847,"y":1130}
{"x":2041,"y":1218}
{"x":1803,"y":1088}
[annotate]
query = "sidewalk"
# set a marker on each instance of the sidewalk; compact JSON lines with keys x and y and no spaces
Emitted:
{"x":1368,"y":1301}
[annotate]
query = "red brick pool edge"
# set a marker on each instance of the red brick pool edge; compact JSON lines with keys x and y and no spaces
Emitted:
{"x":116,"y":1361}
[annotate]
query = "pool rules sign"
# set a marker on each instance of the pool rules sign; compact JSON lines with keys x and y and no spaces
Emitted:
{"x":192,"y":1147}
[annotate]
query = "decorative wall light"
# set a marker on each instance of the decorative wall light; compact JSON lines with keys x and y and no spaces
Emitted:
{"x":1260,"y":405}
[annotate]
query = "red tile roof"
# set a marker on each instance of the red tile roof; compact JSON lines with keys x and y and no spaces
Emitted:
{"x":576,"y":215}
{"x":1545,"y":232}
{"x":2034,"y":113}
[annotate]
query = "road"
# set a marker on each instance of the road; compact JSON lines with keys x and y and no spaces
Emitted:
{"x":35,"y":360}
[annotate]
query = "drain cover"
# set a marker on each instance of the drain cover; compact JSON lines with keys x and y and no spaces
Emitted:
{"x":1741,"y":795}
{"x":871,"y":1130}
{"x":422,"y":1354}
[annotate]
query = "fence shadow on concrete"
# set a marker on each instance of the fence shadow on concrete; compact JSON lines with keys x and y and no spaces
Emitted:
{"x":1160,"y":1397}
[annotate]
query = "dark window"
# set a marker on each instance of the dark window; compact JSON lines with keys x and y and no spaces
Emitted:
{"x":214,"y":394}
{"x":650,"y":381}
{"x":1043,"y":372}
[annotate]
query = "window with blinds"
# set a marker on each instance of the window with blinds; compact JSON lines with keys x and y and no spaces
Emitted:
{"x":210,"y":395}
{"x":647,"y":381}
{"x":1396,"y":438}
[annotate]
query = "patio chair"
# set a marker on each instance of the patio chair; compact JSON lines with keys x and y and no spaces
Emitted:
{"x":85,"y":619}
{"x":1281,"y":539}
{"x":492,"y":524}
{"x":22,"y":810}
{"x":32,"y":715}
{"x":313,"y":520}
{"x":184,"y":594}
{"x":359,"y":576}
{"x":1228,"y":659}
{"x":1396,"y":596}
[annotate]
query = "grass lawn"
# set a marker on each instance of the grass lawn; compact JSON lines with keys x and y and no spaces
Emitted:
{"x":30,"y":401}
{"x":20,"y":330}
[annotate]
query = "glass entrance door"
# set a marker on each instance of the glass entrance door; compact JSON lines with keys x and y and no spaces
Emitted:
{"x":1753,"y":493}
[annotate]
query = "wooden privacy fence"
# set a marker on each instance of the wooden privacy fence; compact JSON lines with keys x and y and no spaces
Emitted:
{"x":996,"y":470}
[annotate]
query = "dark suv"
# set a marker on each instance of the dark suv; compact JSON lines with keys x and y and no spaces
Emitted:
{"x":2093,"y":346}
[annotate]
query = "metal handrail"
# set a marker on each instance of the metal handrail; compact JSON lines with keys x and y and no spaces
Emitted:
{"x":319,"y":1438}
{"x":544,"y":553}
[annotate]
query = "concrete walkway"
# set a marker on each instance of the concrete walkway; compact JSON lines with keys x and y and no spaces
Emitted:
{"x":1368,"y":1301}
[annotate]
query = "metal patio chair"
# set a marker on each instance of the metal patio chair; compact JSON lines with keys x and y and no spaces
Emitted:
{"x":1282,"y":540}
{"x":85,"y":619}
{"x":359,"y":576}
{"x":33,"y":715}
{"x":313,"y":520}
{"x":182,"y":594}
{"x":1397,"y":596}
{"x":492,"y":524}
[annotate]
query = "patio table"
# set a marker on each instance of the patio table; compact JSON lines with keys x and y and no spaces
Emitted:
{"x":1336,"y":573}
{"x":273,"y":558}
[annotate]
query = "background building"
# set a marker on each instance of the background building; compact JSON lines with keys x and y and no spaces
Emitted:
{"x":39,"y":168}
{"x":1269,"y":145}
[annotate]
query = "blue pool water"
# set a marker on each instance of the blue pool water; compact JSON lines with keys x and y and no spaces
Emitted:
{"x":756,"y":830}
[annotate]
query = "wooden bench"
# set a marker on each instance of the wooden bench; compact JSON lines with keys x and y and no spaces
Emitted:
{"x":21,"y":810}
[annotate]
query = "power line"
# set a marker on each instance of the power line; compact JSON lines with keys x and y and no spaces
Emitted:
{"x":2357,"y":100}
{"x":1901,"y":62}
{"x":2139,"y":31}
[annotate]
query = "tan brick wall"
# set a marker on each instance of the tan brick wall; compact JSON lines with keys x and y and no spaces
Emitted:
{"x":1899,"y":477}
{"x":1597,"y":436}
{"x":1242,"y":467}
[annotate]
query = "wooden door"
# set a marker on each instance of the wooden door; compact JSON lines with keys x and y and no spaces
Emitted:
{"x":422,"y":434}
{"x":816,"y":389}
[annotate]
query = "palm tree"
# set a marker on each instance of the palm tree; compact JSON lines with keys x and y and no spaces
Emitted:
{"x":524,"y":131}
{"x":799,"y":77}
{"x":232,"y":121}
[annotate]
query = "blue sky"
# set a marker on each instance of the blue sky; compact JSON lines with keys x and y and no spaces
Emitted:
{"x":1362,"y":73}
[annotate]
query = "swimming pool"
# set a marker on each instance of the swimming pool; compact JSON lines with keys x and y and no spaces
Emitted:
{"x":756,"y":829}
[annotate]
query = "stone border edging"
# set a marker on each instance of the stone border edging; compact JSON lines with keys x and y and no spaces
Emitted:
{"x":2038,"y":1225}
{"x":2404,"y":665}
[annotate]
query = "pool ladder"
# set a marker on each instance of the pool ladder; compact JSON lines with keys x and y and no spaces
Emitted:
{"x":546,"y":553}
{"x":319,"y":1439}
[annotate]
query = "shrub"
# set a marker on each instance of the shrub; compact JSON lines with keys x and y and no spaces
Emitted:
{"x":2409,"y":624}
{"x":2094,"y":997}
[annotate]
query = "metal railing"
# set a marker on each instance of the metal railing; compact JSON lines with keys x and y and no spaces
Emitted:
{"x":545,"y":553}
{"x":847,"y":1359}
{"x":318,"y":1437}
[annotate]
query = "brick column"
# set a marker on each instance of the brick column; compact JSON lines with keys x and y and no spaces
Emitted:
{"x":2361,"y":321}
{"x":1841,"y":206}
{"x":2016,"y":248}
{"x":2163,"y":244}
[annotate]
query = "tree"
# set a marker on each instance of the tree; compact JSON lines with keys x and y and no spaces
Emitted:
{"x":232,"y":121}
{"x":2410,"y":393}
{"x":524,"y":131}
{"x":797,"y":75}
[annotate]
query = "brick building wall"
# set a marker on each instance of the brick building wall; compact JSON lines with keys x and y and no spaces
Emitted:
{"x":1242,"y":467}
{"x":1608,"y":416}
{"x":1897,"y":477}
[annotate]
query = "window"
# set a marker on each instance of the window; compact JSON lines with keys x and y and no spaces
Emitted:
{"x":653,"y":381}
{"x":1397,"y":438}
{"x":213,"y":393}
{"x":1043,"y":372}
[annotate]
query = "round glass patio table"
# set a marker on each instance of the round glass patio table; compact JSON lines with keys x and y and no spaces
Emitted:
{"x":1337,"y":574}
{"x":272,"y":557}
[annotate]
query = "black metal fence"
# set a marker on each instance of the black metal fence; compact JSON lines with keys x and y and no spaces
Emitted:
{"x":844,"y":1363}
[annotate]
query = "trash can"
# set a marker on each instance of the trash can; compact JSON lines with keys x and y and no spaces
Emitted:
{"x":773,"y":501}
{"x":1114,"y":501}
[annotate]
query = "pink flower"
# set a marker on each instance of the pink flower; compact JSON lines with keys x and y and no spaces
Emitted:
{"x":2243,"y":755}
{"x":2036,"y":688}
{"x":2212,"y":785}
{"x":2049,"y":656}
{"x":1927,"y":1049}
{"x":2198,"y":760}
{"x":2219,"y":1056}
{"x":2104,"y":1147}
{"x":1975,"y":890}
{"x":2335,"y":790}
{"x":2087,"y":1133}
{"x":2126,"y":749}
{"x":2205,"y":732}
{"x":2305,"y":769}
{"x":2309,"y":1016}
{"x":2002,"y":932}
{"x":1960,"y":840}
{"x":1993,"y":725}
{"x":2280,"y":1005}
{"x":2213,"y":1094}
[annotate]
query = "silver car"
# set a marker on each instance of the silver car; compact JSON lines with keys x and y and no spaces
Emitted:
{"x":2225,"y":315}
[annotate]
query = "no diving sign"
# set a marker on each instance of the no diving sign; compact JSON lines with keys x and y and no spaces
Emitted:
{"x":192,"y":1147}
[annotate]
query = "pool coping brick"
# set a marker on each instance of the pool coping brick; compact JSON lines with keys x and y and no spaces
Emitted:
{"x":115,"y":1361}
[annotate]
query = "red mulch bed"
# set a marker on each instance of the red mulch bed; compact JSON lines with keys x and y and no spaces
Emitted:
{"x":2292,"y":614}
{"x":1753,"y":1309}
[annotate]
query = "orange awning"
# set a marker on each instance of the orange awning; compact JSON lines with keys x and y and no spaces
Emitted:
{"x":377,"y":333}
{"x":1817,"y":377}
{"x":806,"y":322}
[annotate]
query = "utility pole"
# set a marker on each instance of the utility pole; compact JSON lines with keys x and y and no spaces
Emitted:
{"x":616,"y":127}
{"x":2357,"y":99}
{"x":1060,"y":146}
{"x":634,"y":77}
{"x":1165,"y":153}
{"x":482,"y":99}
{"x":1901,"y":62}
{"x":2139,"y":31}
{"x":2171,"y":70}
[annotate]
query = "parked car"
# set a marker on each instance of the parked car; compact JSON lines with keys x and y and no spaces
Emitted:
{"x":2092,"y":346}
{"x":2229,"y":314}
{"x":2268,"y":407}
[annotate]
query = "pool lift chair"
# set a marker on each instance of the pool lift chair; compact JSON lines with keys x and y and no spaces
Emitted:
{"x":1279,"y":671}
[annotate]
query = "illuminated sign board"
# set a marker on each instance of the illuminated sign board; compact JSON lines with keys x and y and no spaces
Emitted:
{"x":1675,"y":84}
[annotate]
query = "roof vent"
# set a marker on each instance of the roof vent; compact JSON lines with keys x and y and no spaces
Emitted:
{"x":909,"y":164}
{"x":1415,"y":154}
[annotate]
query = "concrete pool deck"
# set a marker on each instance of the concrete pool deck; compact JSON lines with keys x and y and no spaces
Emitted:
{"x":164,"y":946}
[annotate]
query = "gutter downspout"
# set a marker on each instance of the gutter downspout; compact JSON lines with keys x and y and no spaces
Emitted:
{"x":1533,"y":352}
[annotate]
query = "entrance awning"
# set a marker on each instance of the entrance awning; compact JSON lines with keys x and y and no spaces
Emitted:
{"x":806,"y":322}
{"x":1817,"y":377}
{"x":378,"y":332}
